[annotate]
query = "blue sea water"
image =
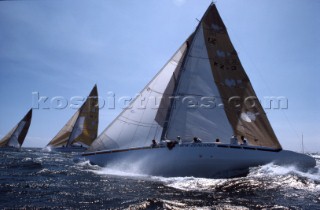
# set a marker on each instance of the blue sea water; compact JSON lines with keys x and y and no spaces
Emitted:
{"x":32,"y":178}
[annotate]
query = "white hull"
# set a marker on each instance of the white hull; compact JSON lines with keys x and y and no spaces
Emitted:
{"x":199,"y":160}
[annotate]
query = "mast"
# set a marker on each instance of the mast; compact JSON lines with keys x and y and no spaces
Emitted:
{"x":189,"y":42}
{"x":166,"y":122}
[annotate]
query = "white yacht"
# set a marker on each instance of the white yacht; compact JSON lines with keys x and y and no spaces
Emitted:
{"x":191,"y":108}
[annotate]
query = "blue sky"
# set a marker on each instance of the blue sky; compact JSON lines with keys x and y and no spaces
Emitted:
{"x":63,"y":48}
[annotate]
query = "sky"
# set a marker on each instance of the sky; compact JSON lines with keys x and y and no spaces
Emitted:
{"x":63,"y":48}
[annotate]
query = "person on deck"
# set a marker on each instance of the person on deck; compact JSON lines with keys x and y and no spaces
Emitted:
{"x":196,"y":140}
{"x":218,"y":141}
{"x":245,"y":142}
{"x":154,"y":143}
{"x":179,"y":139}
{"x":234,"y":140}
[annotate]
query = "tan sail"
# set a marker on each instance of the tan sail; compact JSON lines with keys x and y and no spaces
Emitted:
{"x":17,"y":135}
{"x":4,"y":141}
{"x":63,"y":135}
{"x":243,"y":110}
{"x":90,"y":113}
{"x":83,"y":125}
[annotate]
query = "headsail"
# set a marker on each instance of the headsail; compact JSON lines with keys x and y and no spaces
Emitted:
{"x":83,"y":125}
{"x":16,"y":136}
{"x":145,"y":117}
{"x":205,"y":78}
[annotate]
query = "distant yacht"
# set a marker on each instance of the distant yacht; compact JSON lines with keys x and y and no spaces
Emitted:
{"x":199,"y":116}
{"x":80,"y":131}
{"x":15,"y":138}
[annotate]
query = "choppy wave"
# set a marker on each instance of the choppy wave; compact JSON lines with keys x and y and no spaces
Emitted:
{"x":269,"y":176}
{"x":178,"y":205}
{"x":163,"y":204}
{"x":85,"y":164}
{"x":40,"y":179}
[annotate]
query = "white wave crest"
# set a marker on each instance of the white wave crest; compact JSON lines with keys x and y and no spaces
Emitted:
{"x":271,"y":169}
{"x":181,"y":183}
{"x":316,"y":156}
{"x":288,"y":176}
{"x":26,"y":159}
{"x":124,"y":168}
{"x":46,"y":149}
{"x":86,"y":165}
{"x":191,"y":183}
{"x":116,"y":172}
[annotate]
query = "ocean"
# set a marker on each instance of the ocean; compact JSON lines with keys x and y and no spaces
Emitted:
{"x":32,"y":178}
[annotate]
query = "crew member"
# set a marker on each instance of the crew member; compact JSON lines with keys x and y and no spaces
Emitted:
{"x":196,"y":140}
{"x":154,"y":143}
{"x":245,"y":142}
{"x":234,"y":140}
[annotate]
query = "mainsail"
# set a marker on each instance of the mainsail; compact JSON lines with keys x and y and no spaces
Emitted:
{"x":17,"y":135}
{"x":83,"y":125}
{"x":202,"y":91}
{"x":246,"y":115}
